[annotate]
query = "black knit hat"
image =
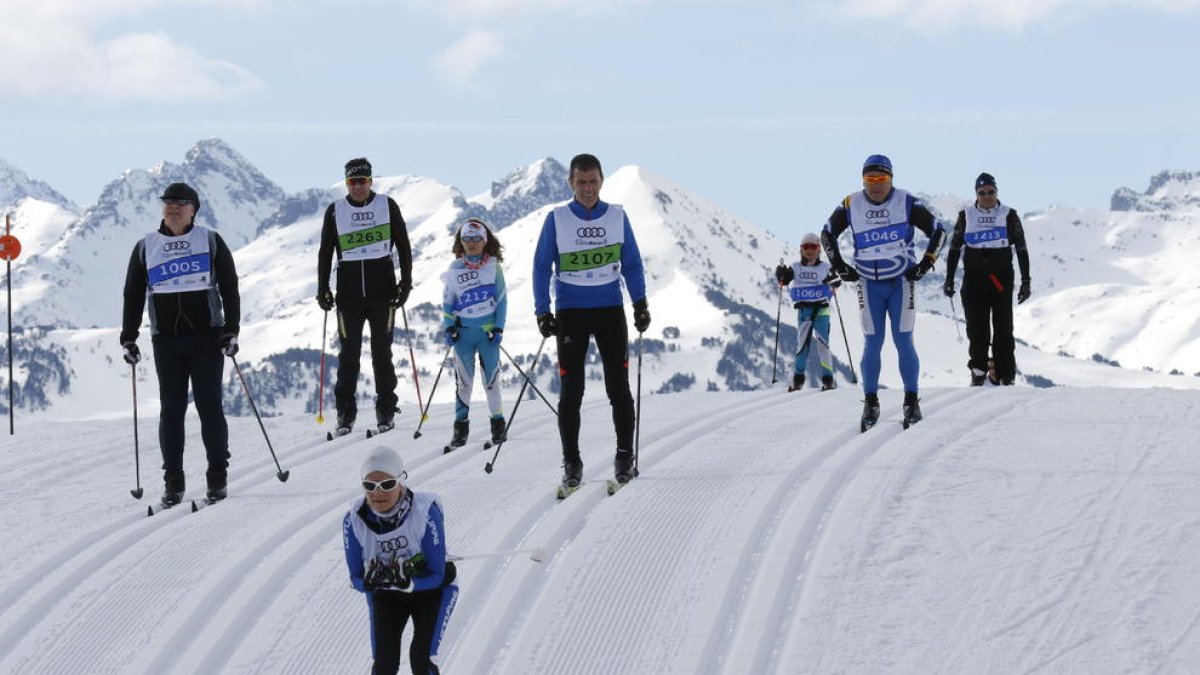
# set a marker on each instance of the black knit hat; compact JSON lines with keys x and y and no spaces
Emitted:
{"x":358,"y":167}
{"x":985,"y":178}
{"x":181,"y":191}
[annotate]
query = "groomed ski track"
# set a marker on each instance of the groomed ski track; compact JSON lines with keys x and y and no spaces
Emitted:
{"x":764,"y":535}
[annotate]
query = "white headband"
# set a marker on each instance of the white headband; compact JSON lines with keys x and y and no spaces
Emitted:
{"x":473,"y":229}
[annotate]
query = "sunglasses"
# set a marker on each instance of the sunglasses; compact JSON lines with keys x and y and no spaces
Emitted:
{"x":985,"y":193}
{"x":877,"y":179}
{"x":472,"y":239}
{"x":809,"y":247}
{"x":387,"y":484}
{"x":358,"y":180}
{"x":177,"y":202}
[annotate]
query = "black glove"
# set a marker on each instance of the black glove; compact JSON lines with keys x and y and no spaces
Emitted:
{"x":451,"y":335}
{"x":402,"y":290}
{"x":547,"y":324}
{"x":784,"y":274}
{"x":832,"y":279}
{"x":919,"y":270}
{"x":229,"y":344}
{"x":497,"y":335}
{"x":641,"y":315}
{"x":375,"y":577}
{"x":846,"y":272}
{"x":325,"y":299}
{"x":1024,"y":293}
{"x":131,"y":354}
{"x":948,"y":287}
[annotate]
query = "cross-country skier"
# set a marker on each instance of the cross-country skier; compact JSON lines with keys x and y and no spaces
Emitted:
{"x":368,"y":234}
{"x":882,"y":220}
{"x":474,"y":308}
{"x":395,"y":544}
{"x":186,"y":272}
{"x":990,"y":231}
{"x":811,"y":283}
{"x":587,"y":247}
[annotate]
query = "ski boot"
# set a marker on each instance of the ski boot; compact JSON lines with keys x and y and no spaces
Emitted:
{"x":797,"y":382}
{"x":461,"y":429}
{"x":498,"y":435}
{"x":385,"y":420}
{"x":977,"y":377}
{"x":216,"y":494}
{"x":870,"y":413}
{"x":216,"y":486}
{"x":345,"y":422}
{"x":912,"y":409}
{"x":572,"y":476}
{"x":623,"y":470}
{"x":827,"y":383}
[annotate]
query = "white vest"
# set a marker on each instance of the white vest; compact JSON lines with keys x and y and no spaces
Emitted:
{"x":807,"y":283}
{"x":364,"y":232}
{"x":179,"y":264}
{"x":401,"y":543}
{"x":986,"y":229}
{"x":589,"y":251}
{"x":881,"y":231}
{"x":472,"y":291}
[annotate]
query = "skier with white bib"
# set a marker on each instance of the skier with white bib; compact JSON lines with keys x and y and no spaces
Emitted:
{"x":367,"y":232}
{"x":882,"y":220}
{"x":811,"y":283}
{"x":989,"y":231}
{"x":474,"y":308}
{"x":395,"y":545}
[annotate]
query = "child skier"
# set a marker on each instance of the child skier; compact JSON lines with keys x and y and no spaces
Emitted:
{"x":474,"y":307}
{"x":811,"y":285}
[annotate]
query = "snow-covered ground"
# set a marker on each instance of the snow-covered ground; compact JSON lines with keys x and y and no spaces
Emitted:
{"x":1015,"y":530}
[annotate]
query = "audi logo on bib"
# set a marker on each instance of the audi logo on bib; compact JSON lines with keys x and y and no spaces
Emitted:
{"x":879,"y":213}
{"x":391,"y":545}
{"x":591,"y":232}
{"x":359,"y":216}
{"x":177,"y":246}
{"x":468,"y":276}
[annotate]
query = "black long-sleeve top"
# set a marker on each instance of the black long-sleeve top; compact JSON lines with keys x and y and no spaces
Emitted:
{"x":373,"y":279}
{"x":983,"y":262}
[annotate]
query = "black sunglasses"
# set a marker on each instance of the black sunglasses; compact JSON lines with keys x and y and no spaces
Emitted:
{"x":177,"y":202}
{"x":985,"y":193}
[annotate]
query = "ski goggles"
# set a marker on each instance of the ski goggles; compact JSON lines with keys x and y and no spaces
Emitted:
{"x":877,"y":180}
{"x":387,"y":484}
{"x":358,"y":180}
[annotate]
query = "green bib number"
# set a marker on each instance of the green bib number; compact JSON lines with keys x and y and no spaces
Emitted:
{"x":578,"y":261}
{"x":371,"y":235}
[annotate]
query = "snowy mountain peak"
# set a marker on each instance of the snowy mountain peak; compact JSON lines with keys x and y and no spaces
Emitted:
{"x":523,"y":190}
{"x":16,"y":185}
{"x":1168,"y":191}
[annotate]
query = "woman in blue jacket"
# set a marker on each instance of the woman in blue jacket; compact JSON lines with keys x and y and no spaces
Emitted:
{"x":396,"y":551}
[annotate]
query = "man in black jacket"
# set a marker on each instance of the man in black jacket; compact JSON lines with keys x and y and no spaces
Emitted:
{"x":990,"y":231}
{"x":368,"y":234}
{"x":187,"y":273}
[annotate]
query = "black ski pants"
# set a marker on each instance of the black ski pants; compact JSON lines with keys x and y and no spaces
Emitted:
{"x":390,"y":612}
{"x":178,"y":360}
{"x":352,"y":314}
{"x":987,"y":307}
{"x":575,"y":328}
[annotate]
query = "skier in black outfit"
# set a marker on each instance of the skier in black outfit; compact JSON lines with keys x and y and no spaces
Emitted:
{"x":990,"y":231}
{"x":188,"y":274}
{"x":368,"y":233}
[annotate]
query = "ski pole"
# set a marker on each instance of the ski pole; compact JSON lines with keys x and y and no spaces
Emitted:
{"x":954,"y":314}
{"x":412,"y":358}
{"x":838,"y":305}
{"x":137,"y":462}
{"x":424,"y":413}
{"x":487,"y":468}
{"x":10,"y":248}
{"x":529,"y":380}
{"x":535,"y":554}
{"x":280,"y":474}
{"x":321,"y":386}
{"x":637,"y":415}
{"x":775,"y":353}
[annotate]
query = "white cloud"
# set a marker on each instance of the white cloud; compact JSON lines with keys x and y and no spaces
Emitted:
{"x":941,"y":15}
{"x":51,"y":48}
{"x":482,"y":9}
{"x":459,"y":65}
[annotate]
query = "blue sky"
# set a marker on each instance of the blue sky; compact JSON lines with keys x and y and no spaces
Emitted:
{"x":766,"y":107}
